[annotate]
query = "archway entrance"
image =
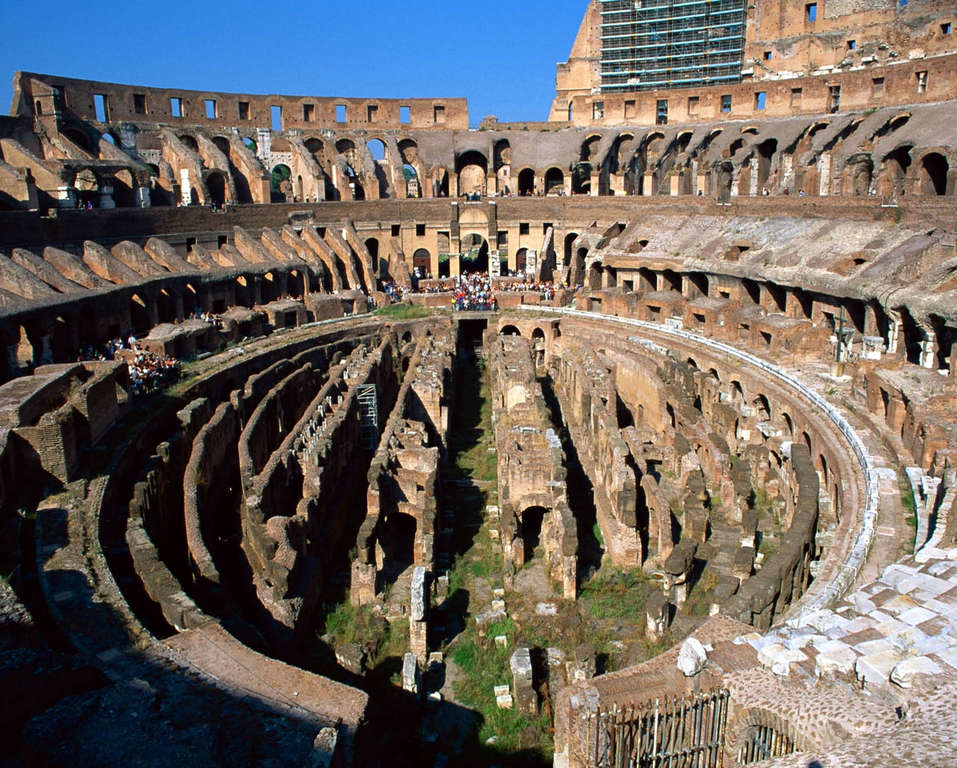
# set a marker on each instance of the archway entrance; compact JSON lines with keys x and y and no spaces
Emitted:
{"x":933,"y":174}
{"x":472,"y":170}
{"x":554,"y":182}
{"x":474,"y":254}
{"x":216,"y":184}
{"x":422,"y":261}
{"x":279,"y":184}
{"x":526,"y":182}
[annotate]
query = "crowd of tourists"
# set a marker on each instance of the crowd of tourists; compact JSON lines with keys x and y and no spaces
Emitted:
{"x":545,"y":288}
{"x":473,"y":292}
{"x":394,"y":292}
{"x":147,"y":371}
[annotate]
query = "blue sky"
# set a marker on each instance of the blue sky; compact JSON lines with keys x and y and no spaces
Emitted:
{"x":500,"y":55}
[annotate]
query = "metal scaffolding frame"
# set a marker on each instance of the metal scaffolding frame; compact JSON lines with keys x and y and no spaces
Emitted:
{"x":648,"y":44}
{"x":368,"y":416}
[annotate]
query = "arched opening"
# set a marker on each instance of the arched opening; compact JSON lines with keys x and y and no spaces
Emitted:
{"x":933,"y":174}
{"x":355,"y":186}
{"x":164,"y":307}
{"x":510,"y":330}
{"x":397,"y":539}
{"x":532,"y":519}
{"x":762,"y":408}
{"x":216,"y":184}
{"x":440,"y":183}
{"x":521,"y":260}
{"x":422,"y":262}
{"x":294,"y":285}
{"x":502,"y":160}
{"x":554,"y":181}
{"x":250,"y":145}
{"x":581,"y":179}
{"x":766,"y":150}
{"x":526,"y":182}
{"x":472,"y":171}
{"x":411,"y":177}
{"x":189,"y":142}
{"x":569,"y":247}
{"x":124,"y":193}
{"x":24,"y":353}
{"x":222,"y":144}
{"x":376,"y":148}
{"x":894,"y":171}
{"x":475,"y":254}
{"x":372,"y":246}
{"x":79,"y":138}
{"x":279,"y":185}
{"x":139,"y":316}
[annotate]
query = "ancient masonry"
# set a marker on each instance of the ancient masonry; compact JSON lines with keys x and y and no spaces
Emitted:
{"x":713,"y":402}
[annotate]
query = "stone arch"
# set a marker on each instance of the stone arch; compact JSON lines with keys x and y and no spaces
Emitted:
{"x":189,"y":141}
{"x":217,"y":185}
{"x":423,"y":260}
{"x":124,"y":188}
{"x":475,"y":253}
{"x":532,"y":520}
{"x":526,"y":182}
{"x":569,"y":247}
{"x":894,"y":168}
{"x":139,"y":315}
{"x":554,"y":181}
{"x":521,"y":259}
{"x":510,"y":330}
{"x":279,"y":184}
{"x":932,"y":174}
{"x":78,"y":137}
{"x":758,"y":734}
{"x":471,"y":169}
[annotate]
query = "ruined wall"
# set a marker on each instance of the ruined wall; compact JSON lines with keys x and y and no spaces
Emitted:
{"x":134,"y":104}
{"x":586,"y":392}
{"x":403,"y":475}
{"x":292,"y":526}
{"x":531,"y":474}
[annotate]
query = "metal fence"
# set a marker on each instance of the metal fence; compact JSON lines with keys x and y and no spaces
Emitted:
{"x":680,"y":733}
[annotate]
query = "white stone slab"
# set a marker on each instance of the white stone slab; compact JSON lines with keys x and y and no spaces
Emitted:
{"x":877,"y":667}
{"x":833,"y":656}
{"x":906,"y":671}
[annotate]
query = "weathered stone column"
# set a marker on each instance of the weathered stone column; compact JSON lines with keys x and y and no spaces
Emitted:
{"x":523,"y":683}
{"x":418,"y":618}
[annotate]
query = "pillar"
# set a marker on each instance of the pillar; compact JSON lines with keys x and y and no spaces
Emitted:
{"x":65,"y":197}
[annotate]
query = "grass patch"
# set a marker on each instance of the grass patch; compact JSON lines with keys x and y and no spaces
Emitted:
{"x":485,"y":665}
{"x":699,"y":601}
{"x":403,"y":311}
{"x":909,"y":503}
{"x":613,"y":593}
{"x":381,"y":639}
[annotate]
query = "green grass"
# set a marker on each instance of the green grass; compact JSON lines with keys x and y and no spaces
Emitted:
{"x":910,"y":509}
{"x":613,"y":593}
{"x":485,"y":665}
{"x":348,"y":624}
{"x":403,"y":311}
{"x":700,"y":598}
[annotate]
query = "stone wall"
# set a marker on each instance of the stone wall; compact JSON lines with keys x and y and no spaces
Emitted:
{"x":531,"y":472}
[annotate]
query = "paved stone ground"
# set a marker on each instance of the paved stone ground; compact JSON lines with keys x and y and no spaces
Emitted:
{"x":897,"y":638}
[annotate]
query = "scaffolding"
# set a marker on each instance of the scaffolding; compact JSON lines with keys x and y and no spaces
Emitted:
{"x":649,"y":44}
{"x":368,"y":416}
